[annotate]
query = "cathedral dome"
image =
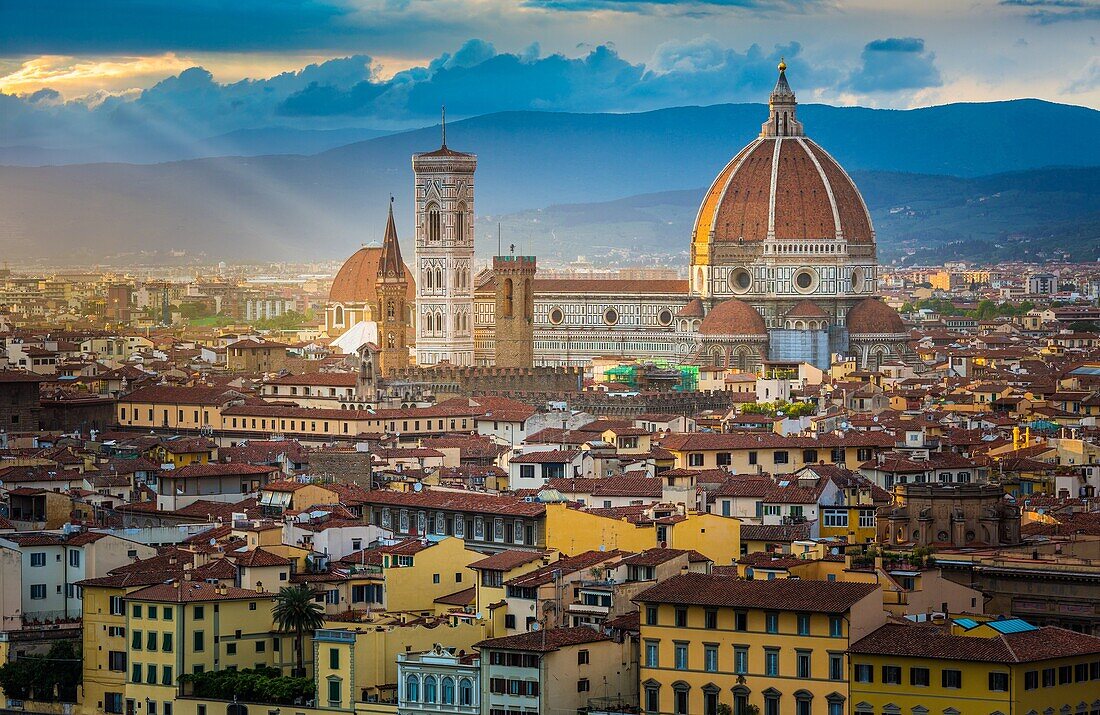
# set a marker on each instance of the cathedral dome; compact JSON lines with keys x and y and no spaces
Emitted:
{"x":733,"y":317}
{"x":782,"y":186}
{"x":355,"y":281}
{"x":871,"y":316}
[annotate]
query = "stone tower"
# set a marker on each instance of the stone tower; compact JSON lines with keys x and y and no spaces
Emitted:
{"x":444,"y":181}
{"x":515,"y":311}
{"x":392,"y":283}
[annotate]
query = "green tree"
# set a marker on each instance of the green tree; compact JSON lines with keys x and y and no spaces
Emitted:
{"x":54,"y":677}
{"x":296,"y":612}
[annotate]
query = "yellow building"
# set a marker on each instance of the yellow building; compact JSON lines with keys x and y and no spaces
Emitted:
{"x":711,"y":640}
{"x":973,"y":668}
{"x":356,"y":663}
{"x":192,"y":627}
{"x":572,"y":531}
{"x":743,"y":453}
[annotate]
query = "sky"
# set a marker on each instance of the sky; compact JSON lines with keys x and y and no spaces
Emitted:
{"x":80,"y":71}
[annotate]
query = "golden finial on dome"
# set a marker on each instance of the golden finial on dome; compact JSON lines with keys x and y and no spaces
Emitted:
{"x":782,"y":64}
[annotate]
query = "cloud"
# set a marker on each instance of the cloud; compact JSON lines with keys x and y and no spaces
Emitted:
{"x":1046,"y":12}
{"x":676,"y":7}
{"x":894,"y":64}
{"x":1087,"y":79}
{"x":152,"y":26}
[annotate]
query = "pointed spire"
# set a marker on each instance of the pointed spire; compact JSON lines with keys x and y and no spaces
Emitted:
{"x":390,"y":264}
{"x":781,"y":109}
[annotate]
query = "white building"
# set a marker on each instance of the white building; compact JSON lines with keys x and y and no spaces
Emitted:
{"x":440,"y":681}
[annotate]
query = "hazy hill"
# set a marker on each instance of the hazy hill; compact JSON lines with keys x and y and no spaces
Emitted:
{"x":918,"y":217}
{"x":324,"y":205}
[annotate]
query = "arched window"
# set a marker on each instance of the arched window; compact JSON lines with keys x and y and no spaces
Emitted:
{"x":434,"y":227}
{"x":429,"y":689}
{"x":507,"y":298}
{"x":448,"y":691}
{"x":412,"y":688}
{"x":338,"y":315}
{"x":391,"y":341}
{"x":460,"y":222}
{"x":743,"y":360}
{"x":439,"y":279}
{"x":390,"y":309}
{"x":465,"y":692}
{"x":716,"y":357}
{"x":439,"y":326}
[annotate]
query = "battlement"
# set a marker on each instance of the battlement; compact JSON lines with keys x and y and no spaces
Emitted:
{"x":521,"y":264}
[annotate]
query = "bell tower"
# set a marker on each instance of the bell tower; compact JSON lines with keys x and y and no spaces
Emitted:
{"x":392,"y":284}
{"x":444,"y":187}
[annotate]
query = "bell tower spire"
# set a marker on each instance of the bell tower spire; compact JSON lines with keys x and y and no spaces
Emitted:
{"x":781,"y":109}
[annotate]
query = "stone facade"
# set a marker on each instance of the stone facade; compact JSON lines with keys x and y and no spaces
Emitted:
{"x":20,"y":404}
{"x":444,"y":189}
{"x":514,"y":334}
{"x":949,"y":515}
{"x":448,"y":381}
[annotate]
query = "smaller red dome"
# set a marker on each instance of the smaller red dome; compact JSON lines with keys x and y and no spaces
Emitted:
{"x":694,"y":309}
{"x":806,"y":309}
{"x":871,"y":316}
{"x":733,"y":317}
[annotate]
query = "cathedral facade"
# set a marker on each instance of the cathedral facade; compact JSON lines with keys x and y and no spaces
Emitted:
{"x":782,"y":268}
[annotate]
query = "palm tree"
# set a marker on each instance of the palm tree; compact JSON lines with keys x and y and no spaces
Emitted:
{"x":296,"y":611}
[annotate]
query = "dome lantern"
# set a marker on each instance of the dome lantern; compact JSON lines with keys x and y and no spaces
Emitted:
{"x":781,"y":109}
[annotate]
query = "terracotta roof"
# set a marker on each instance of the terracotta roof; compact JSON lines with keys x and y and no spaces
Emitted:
{"x":507,"y":560}
{"x":321,"y":379}
{"x":456,"y":501}
{"x":259,"y":557}
{"x":565,"y":565}
{"x":544,"y":641}
{"x":806,"y":308}
{"x":218,"y":470}
{"x":781,"y":594}
{"x":873,"y":316}
{"x":693,"y":309}
{"x":171,"y":394}
{"x":464,"y":597}
{"x":192,"y":591}
{"x":656,"y":556}
{"x":747,"y":203}
{"x":356,"y":280}
{"x":936,"y":641}
{"x":733,"y":317}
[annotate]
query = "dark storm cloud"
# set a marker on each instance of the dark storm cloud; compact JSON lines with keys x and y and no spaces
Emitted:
{"x":1047,"y":12}
{"x":140,"y":26}
{"x":894,"y":64}
{"x":678,"y":6}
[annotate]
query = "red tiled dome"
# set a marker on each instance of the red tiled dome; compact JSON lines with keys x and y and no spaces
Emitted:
{"x":808,"y":185}
{"x":783,"y":186}
{"x":355,"y":281}
{"x":806,"y":309}
{"x":733,"y":317}
{"x":694,"y":309}
{"x":872,"y":316}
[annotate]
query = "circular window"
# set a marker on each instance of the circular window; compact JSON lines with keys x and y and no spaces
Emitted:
{"x":611,"y":316}
{"x":857,"y":279}
{"x":740,"y":280}
{"x":665,"y":317}
{"x":805,"y":280}
{"x":556,"y":316}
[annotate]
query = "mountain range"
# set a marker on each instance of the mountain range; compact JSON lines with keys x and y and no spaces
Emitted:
{"x":971,"y":173}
